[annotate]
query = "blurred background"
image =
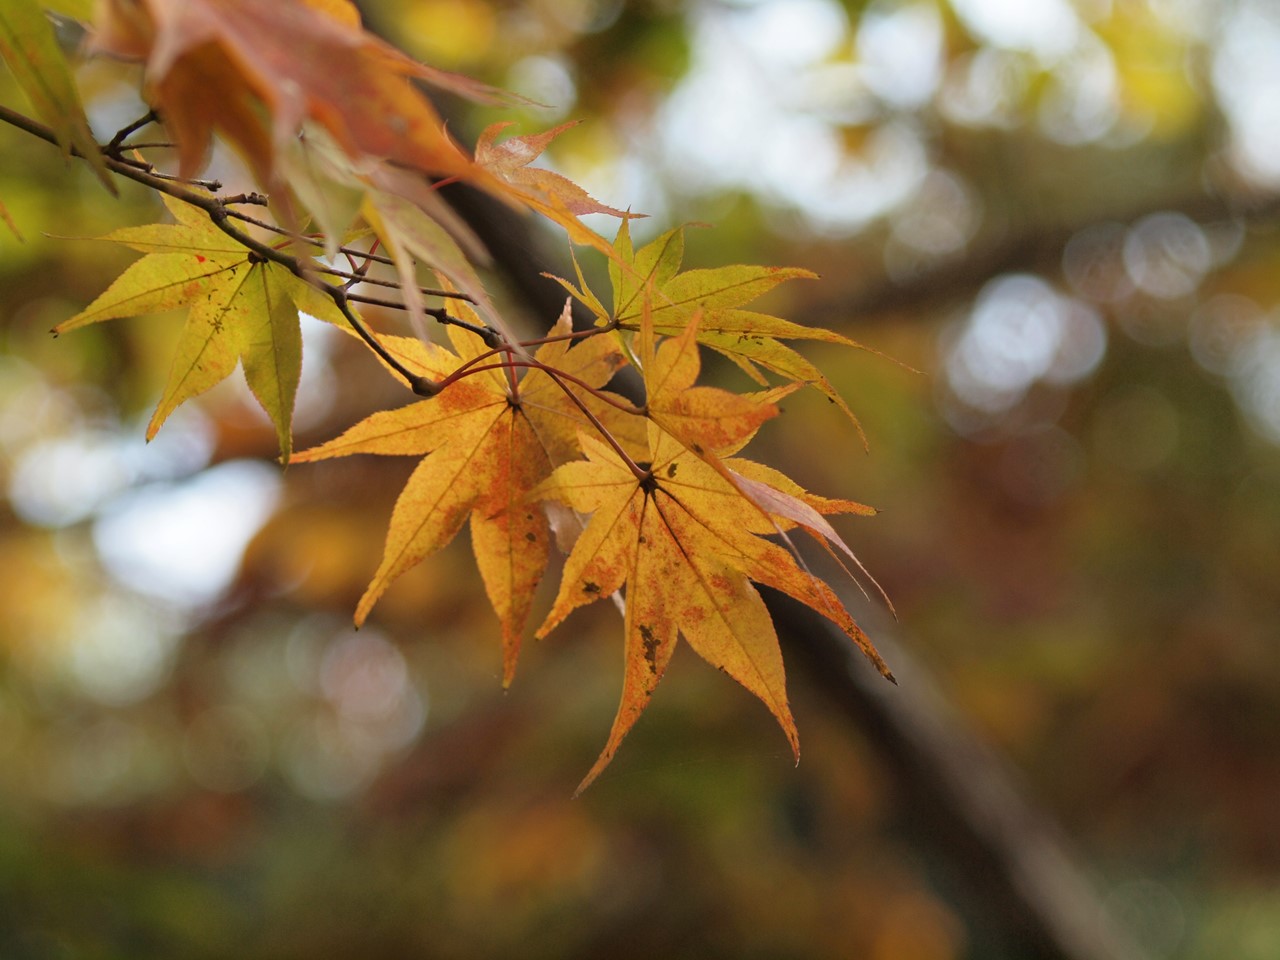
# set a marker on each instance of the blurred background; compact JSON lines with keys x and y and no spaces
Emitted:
{"x":1061,"y":218}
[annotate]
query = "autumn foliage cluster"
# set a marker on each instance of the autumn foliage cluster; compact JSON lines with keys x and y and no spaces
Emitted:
{"x":645,"y":492}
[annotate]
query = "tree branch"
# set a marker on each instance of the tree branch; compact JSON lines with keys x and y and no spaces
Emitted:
{"x":1036,"y":247}
{"x":220,"y":216}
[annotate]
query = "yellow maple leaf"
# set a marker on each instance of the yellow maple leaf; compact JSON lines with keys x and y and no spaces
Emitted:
{"x":488,"y":439}
{"x":685,"y":544}
{"x":709,"y":421}
{"x":243,"y":310}
{"x":648,"y":286}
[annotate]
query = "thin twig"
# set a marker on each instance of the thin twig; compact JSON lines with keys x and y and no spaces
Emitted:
{"x":213,"y":186}
{"x":394,"y":284}
{"x":439,"y":314}
{"x":349,"y":251}
{"x":116,"y":144}
{"x":470,"y":367}
{"x":272,"y":228}
{"x":559,"y":377}
{"x":436,"y":313}
{"x":574,"y":335}
{"x":369,"y":255}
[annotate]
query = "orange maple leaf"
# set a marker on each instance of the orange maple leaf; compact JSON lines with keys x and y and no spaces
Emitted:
{"x":709,"y":421}
{"x":489,"y":440}
{"x":556,"y":197}
{"x":212,"y":63}
{"x":713,"y":423}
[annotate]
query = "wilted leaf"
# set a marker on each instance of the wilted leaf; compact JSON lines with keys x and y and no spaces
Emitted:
{"x":410,"y":235}
{"x":212,"y":63}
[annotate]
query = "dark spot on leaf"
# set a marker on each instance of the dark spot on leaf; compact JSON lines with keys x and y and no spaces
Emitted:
{"x":643,"y":538}
{"x":531,"y":537}
{"x":696,"y":448}
{"x":590,"y":587}
{"x":671,"y":470}
{"x":650,"y":646}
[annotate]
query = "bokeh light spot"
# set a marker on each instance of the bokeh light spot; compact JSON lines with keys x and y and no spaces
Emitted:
{"x":183,"y":542}
{"x":1166,"y":255}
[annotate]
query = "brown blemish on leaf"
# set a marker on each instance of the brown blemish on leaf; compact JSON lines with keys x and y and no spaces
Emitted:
{"x":650,"y":641}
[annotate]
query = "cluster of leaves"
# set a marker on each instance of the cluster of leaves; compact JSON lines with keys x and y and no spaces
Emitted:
{"x":521,"y":438}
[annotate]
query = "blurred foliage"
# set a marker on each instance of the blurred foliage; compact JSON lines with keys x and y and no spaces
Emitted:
{"x":1063,"y":215}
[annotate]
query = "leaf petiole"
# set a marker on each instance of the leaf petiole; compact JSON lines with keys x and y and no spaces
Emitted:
{"x":574,"y":335}
{"x":641,"y":474}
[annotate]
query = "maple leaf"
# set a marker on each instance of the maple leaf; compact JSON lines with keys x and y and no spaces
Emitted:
{"x":686,"y":545}
{"x":487,"y":440}
{"x":30,"y":48}
{"x":554,"y":196}
{"x":242,"y":310}
{"x":713,"y":423}
{"x":648,"y":286}
{"x":403,"y":210}
{"x":709,"y":421}
{"x":212,"y":63}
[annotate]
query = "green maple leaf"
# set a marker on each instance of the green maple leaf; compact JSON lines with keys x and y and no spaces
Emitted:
{"x":242,"y":310}
{"x":30,"y":48}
